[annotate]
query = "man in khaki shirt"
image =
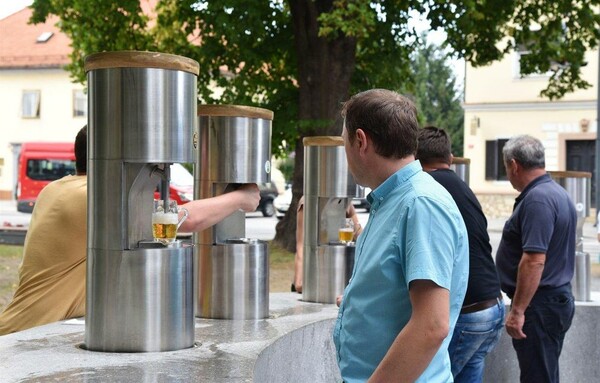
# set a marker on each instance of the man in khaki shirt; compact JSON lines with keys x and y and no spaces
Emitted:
{"x":52,"y":273}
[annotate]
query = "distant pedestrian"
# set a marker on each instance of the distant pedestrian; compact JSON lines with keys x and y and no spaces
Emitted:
{"x":535,"y":261}
{"x":481,"y":318}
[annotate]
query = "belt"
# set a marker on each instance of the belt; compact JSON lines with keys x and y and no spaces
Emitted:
{"x":478,"y":306}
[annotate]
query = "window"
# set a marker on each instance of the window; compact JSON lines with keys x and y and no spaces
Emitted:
{"x":49,"y":169}
{"x":79,"y":103}
{"x":494,"y":161}
{"x":31,"y":104}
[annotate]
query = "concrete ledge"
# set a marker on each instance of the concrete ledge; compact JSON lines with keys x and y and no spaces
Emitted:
{"x":579,"y":357}
{"x":303,"y":355}
{"x":226,"y":350}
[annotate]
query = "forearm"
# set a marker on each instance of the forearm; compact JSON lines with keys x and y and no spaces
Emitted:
{"x":206,"y":212}
{"x":410,"y":354}
{"x":529,"y":275}
{"x":418,"y":342}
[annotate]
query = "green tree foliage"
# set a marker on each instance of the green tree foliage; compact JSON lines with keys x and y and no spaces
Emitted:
{"x":303,"y":58}
{"x":435,"y":93}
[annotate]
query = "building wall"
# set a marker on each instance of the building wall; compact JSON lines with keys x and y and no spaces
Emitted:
{"x":499,"y":104}
{"x":56,"y":122}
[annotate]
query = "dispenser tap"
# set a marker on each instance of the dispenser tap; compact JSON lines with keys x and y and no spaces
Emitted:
{"x":165,"y":176}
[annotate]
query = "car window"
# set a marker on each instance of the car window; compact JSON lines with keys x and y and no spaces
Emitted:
{"x":49,"y":169}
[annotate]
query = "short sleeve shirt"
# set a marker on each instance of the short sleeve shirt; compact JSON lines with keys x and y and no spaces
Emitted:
{"x":543,"y":221}
{"x":415,"y":231}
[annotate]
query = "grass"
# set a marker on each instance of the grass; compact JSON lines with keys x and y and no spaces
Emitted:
{"x":10,"y":259}
{"x":280,"y":274}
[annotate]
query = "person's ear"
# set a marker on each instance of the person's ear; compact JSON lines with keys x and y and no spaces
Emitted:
{"x":361,"y":138}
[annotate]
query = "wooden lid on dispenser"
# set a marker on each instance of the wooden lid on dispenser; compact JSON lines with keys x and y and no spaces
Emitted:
{"x":138,"y":59}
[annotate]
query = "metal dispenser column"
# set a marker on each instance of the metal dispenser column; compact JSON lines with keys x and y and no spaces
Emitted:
{"x":232,"y":271}
{"x":142,"y":117}
{"x":328,"y":189}
{"x":461,"y":166}
{"x":577,"y":185}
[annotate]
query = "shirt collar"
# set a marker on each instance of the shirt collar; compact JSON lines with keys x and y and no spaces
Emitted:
{"x":380,"y":193}
{"x":539,"y":180}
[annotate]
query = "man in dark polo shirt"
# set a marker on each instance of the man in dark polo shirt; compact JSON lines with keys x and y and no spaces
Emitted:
{"x":535,"y":261}
{"x":481,"y":318}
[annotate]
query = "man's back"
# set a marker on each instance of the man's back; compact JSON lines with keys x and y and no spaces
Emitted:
{"x":483,"y":279}
{"x":52,"y":273}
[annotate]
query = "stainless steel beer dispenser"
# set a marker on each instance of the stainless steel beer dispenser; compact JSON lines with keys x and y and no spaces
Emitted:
{"x":232,"y":270}
{"x":142,"y":117}
{"x":328,"y":190}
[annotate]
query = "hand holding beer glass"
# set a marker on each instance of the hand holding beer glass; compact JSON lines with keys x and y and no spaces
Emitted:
{"x":165,"y":222}
{"x":346,"y":232}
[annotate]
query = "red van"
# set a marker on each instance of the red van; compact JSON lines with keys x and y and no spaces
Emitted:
{"x":43,"y":162}
{"x":39,"y":164}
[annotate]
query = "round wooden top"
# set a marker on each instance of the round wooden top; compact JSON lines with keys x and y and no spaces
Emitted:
{"x":461,"y":160}
{"x":234,"y":111}
{"x":137,"y":59}
{"x":323,"y":141}
{"x":569,"y":174}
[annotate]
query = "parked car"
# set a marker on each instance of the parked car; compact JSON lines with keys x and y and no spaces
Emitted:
{"x":282,"y":202}
{"x":268,"y":193}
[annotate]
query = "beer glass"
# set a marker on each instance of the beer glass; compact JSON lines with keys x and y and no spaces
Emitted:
{"x":346,"y":232}
{"x":165,"y":222}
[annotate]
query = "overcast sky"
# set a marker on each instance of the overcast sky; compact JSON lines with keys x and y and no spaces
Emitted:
{"x":8,"y":7}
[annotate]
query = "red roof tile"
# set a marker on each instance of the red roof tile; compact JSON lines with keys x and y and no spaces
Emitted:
{"x":18,"y":46}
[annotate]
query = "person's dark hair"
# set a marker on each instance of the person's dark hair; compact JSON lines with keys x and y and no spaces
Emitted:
{"x":81,"y":151}
{"x":434,"y":146}
{"x":387,"y":117}
{"x":526,"y":150}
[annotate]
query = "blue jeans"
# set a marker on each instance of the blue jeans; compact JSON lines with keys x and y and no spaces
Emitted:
{"x":475,"y":335}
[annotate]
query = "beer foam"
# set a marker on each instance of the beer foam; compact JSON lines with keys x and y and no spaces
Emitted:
{"x":165,"y":218}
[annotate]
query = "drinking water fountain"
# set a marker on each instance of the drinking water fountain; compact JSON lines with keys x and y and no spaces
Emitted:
{"x":328,"y":190}
{"x":232,"y":270}
{"x":142,"y":118}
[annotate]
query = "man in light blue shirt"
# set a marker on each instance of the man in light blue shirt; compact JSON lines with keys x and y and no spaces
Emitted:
{"x":411,"y":265}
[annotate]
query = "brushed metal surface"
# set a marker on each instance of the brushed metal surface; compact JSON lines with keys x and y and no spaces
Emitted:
{"x":462,"y":171}
{"x":328,"y":189}
{"x":234,"y":150}
{"x":140,"y":300}
{"x":233,"y":280}
{"x":328,"y":273}
{"x":146,"y":114}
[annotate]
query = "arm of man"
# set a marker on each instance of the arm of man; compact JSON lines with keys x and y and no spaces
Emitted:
{"x":418,"y":342}
{"x":206,"y":212}
{"x":528,"y":281}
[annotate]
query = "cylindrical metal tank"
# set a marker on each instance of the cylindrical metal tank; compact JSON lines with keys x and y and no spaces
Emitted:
{"x":232,"y":270}
{"x":461,"y":167}
{"x":328,"y":190}
{"x":577,"y":185}
{"x":142,"y":117}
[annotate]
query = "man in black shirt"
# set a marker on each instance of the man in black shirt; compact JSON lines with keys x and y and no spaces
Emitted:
{"x":482,"y":317}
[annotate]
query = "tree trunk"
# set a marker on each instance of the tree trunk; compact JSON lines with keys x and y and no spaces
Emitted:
{"x":325,"y":67}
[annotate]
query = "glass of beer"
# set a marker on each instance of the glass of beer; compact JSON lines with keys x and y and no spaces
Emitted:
{"x":346,"y":232}
{"x":165,"y":222}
